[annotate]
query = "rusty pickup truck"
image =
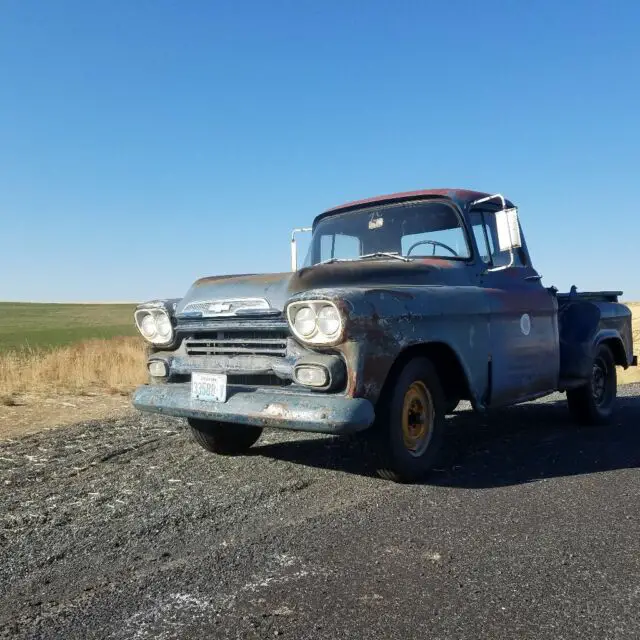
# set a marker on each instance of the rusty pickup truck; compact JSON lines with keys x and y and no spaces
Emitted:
{"x":405,"y":305}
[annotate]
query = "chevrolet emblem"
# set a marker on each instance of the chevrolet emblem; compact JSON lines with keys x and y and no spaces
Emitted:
{"x":219,"y":307}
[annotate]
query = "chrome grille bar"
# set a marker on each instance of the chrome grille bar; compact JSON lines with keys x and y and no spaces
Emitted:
{"x":229,"y":343}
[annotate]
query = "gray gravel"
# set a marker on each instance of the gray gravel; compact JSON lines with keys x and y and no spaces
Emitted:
{"x":127,"y":529}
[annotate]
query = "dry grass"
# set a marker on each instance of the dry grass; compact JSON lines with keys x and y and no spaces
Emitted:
{"x":116,"y":365}
{"x":632,"y":374}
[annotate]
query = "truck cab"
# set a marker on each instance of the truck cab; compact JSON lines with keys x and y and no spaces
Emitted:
{"x":404,"y":305}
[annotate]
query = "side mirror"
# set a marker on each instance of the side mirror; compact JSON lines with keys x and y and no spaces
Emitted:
{"x":294,"y":246}
{"x":508,"y":229}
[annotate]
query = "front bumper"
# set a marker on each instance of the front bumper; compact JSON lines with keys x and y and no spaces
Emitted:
{"x":261,"y":407}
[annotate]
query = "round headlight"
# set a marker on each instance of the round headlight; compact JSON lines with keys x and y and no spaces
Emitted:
{"x":148,"y":326}
{"x":155,"y":325}
{"x":305,"y":321}
{"x":316,"y":322}
{"x":163,"y":325}
{"x":329,"y":320}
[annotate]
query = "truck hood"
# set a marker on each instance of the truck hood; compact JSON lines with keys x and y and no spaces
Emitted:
{"x":218,"y":292}
{"x":213,"y":295}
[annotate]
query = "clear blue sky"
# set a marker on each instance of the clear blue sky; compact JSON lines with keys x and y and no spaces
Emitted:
{"x":145,"y":143}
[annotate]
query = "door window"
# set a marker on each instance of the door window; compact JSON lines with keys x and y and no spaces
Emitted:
{"x":483,"y":224}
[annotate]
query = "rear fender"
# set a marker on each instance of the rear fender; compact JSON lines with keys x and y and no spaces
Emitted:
{"x":581,"y":333}
{"x":613,"y":339}
{"x":578,"y":324}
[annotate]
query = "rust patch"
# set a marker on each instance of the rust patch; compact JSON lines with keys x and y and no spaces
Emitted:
{"x":277,"y":409}
{"x":438,"y":262}
{"x":349,"y":351}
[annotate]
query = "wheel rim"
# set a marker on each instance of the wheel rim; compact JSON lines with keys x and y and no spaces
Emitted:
{"x":600,"y":383}
{"x":417,"y":418}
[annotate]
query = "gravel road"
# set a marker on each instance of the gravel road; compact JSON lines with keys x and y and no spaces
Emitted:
{"x":127,"y":529}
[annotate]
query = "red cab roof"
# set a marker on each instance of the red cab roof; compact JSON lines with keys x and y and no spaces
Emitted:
{"x":462,"y":196}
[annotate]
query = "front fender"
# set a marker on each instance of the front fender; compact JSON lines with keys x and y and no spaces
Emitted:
{"x":381,"y":324}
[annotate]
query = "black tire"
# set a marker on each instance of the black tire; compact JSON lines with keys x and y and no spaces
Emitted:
{"x":593,"y":403}
{"x":399,"y":461}
{"x":223,"y":438}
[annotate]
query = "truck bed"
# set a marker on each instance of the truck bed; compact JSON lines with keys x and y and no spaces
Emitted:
{"x":585,"y":320}
{"x":596,"y":296}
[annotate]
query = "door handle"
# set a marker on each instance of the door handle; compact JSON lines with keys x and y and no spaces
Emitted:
{"x":532,"y":278}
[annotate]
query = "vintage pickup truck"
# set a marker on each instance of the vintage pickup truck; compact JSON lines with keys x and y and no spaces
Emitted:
{"x":405,"y":305}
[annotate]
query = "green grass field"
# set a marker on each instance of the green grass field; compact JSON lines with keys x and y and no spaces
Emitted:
{"x":44,"y":326}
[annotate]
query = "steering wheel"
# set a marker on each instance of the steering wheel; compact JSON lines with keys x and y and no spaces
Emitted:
{"x":435,"y":244}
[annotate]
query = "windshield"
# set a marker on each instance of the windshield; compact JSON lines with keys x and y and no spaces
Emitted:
{"x":415,"y":229}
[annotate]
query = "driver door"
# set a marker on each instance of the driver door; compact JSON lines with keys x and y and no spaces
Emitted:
{"x":523,"y":326}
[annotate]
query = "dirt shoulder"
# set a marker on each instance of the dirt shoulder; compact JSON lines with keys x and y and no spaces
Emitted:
{"x":33,"y":413}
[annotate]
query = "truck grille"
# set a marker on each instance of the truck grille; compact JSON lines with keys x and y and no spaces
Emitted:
{"x":235,"y":343}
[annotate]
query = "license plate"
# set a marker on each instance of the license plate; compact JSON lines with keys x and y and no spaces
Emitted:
{"x":209,"y":387}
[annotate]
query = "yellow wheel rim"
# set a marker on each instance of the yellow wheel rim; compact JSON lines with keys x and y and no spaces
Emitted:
{"x":417,"y":418}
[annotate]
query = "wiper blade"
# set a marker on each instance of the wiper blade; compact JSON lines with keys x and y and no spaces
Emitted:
{"x":377,"y":254}
{"x":332,"y":260}
{"x":385,"y":254}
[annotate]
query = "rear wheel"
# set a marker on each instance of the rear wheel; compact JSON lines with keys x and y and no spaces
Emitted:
{"x":410,"y":434}
{"x":222,"y":437}
{"x":592,"y":404}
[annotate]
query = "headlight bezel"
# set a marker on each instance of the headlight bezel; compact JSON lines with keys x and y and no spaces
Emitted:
{"x":159,"y":313}
{"x":317,"y":337}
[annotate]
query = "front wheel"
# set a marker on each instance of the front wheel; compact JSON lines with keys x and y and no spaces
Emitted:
{"x":411,"y":430}
{"x":592,"y":404}
{"x":223,"y":438}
